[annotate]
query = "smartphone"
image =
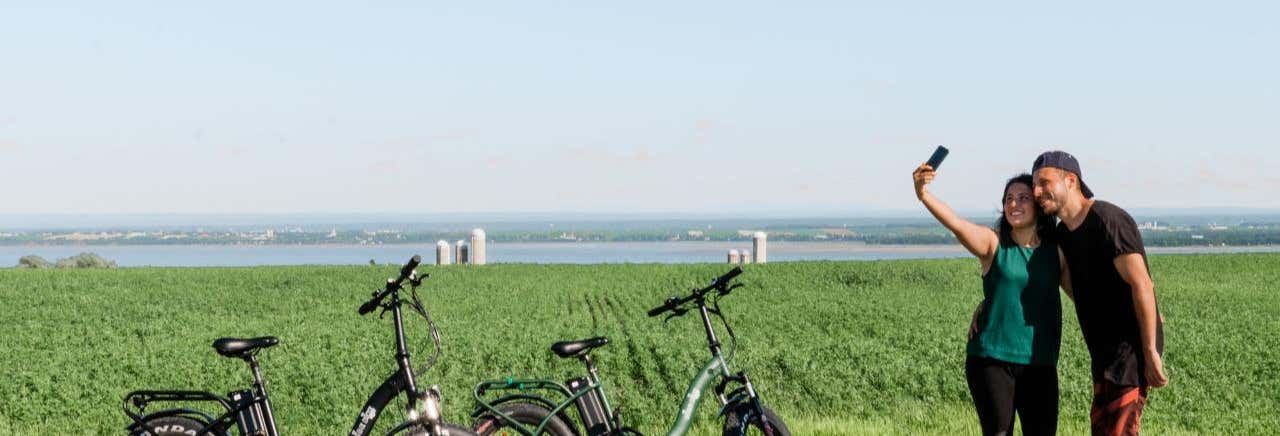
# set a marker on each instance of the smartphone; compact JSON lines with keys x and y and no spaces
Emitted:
{"x":938,"y":156}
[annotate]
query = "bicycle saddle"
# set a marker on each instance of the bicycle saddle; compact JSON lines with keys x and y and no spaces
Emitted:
{"x":574,"y":348}
{"x":233,"y":347}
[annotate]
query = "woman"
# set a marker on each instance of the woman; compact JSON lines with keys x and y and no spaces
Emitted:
{"x":1013,"y":348}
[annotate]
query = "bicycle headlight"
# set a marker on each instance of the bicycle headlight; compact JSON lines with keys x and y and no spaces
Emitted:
{"x":427,"y":410}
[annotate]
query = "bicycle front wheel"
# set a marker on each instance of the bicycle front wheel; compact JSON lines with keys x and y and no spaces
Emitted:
{"x":446,"y":429}
{"x":744,"y":420}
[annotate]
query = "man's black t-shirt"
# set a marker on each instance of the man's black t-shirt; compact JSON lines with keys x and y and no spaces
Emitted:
{"x":1103,"y":300}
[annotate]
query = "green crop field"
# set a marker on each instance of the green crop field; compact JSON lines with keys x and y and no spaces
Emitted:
{"x":834,"y":347}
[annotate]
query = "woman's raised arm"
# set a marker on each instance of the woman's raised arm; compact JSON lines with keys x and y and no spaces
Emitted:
{"x":980,"y":241}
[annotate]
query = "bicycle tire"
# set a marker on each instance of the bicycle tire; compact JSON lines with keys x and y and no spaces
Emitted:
{"x":523,"y":413}
{"x":449,"y":430}
{"x":734,"y":424}
{"x":169,"y":426}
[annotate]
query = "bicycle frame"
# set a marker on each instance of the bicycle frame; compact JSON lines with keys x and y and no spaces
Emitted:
{"x":715,"y":368}
{"x":400,"y":381}
{"x":250,"y":410}
{"x":257,"y":404}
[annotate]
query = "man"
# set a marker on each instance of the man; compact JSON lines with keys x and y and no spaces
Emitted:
{"x":1114,"y":296}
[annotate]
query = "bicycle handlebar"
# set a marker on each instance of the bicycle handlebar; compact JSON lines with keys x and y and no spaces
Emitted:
{"x":406,"y":271}
{"x":724,"y":279}
{"x":668,"y":305}
{"x":368,"y":306}
{"x":720,"y":283}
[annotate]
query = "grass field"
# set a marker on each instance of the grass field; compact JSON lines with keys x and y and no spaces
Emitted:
{"x":834,"y":347}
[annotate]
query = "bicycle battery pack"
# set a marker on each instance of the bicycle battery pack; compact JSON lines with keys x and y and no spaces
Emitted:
{"x":249,"y":418}
{"x":590,"y":408}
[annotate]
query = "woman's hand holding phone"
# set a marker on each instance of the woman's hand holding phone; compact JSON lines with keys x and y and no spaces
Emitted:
{"x":922,"y":176}
{"x":927,"y":171}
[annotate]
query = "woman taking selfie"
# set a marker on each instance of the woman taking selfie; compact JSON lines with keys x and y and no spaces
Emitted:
{"x":1013,"y":347}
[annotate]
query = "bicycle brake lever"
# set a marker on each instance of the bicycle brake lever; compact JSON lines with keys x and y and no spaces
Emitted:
{"x":416,"y":280}
{"x":731,"y":288}
{"x":675,"y":313}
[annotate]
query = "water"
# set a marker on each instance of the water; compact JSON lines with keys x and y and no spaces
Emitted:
{"x":538,"y":252}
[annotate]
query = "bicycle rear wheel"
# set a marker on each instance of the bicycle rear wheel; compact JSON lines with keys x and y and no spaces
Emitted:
{"x":169,"y":426}
{"x":530,"y":415}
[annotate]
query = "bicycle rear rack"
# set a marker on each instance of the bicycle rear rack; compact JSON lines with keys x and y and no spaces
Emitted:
{"x":141,"y":399}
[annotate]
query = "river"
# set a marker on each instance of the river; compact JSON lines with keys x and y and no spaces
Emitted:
{"x":533,"y":252}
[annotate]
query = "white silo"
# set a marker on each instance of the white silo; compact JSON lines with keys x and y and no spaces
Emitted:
{"x":758,"y":242}
{"x":477,"y":247}
{"x":442,"y":253}
{"x":733,"y":256}
{"x":746,"y":257}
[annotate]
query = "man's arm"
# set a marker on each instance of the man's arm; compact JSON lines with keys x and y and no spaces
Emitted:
{"x":1134,"y":271}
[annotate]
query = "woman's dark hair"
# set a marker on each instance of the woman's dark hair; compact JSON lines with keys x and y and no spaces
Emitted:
{"x":1044,"y":222}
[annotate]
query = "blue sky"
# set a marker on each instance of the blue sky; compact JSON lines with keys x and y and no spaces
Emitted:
{"x":286,"y":107}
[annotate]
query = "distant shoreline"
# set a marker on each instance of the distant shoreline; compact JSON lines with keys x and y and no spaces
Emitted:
{"x":557,"y":242}
{"x":519,"y":252}
{"x":1184,"y":231}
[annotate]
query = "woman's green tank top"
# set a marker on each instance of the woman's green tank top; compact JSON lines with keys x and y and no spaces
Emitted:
{"x":1021,"y":320}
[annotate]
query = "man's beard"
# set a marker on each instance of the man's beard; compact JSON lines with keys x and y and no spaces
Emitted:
{"x":1048,"y":206}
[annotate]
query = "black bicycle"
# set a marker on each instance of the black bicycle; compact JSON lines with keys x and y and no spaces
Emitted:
{"x":249,"y":410}
{"x":520,"y":410}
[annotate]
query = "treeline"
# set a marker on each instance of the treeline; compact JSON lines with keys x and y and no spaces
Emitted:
{"x":1234,"y":237}
{"x":896,"y":235}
